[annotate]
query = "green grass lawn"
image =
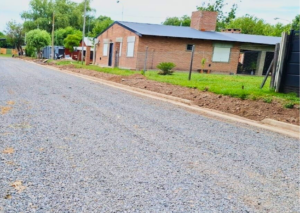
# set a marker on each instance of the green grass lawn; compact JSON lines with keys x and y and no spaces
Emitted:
{"x":115,"y":71}
{"x":244,"y":87}
{"x":5,"y":55}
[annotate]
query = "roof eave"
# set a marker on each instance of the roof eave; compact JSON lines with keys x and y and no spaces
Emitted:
{"x":122,"y":25}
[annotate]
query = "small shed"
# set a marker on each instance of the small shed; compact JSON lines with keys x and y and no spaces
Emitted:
{"x":58,"y":50}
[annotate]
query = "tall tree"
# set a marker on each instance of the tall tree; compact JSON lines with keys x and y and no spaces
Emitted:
{"x":176,"y":21}
{"x":102,"y":23}
{"x":72,"y":40}
{"x":296,"y":23}
{"x":61,"y":34}
{"x":15,"y":35}
{"x":67,"y":13}
{"x":255,"y":26}
{"x":37,"y":39}
{"x":3,"y":40}
{"x":223,"y":17}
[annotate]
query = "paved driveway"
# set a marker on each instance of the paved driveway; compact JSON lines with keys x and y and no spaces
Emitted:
{"x":71,"y":145}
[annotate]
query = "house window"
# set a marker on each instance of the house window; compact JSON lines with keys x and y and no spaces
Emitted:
{"x":189,"y":47}
{"x":105,"y":48}
{"x":221,"y":52}
{"x":130,"y":46}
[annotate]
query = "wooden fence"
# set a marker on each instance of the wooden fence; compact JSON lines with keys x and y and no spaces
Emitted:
{"x":8,"y":51}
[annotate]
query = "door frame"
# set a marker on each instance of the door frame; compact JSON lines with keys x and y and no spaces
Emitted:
{"x":110,"y":54}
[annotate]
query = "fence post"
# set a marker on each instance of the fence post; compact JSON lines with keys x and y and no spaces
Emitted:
{"x":191,"y":65}
{"x":274,"y":65}
{"x":145,"y":63}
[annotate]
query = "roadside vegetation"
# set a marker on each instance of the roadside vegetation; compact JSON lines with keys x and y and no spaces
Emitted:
{"x":5,"y":55}
{"x":243,"y":87}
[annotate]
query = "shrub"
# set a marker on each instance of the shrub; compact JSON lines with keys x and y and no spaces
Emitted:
{"x":166,"y":68}
{"x":243,"y":96}
{"x":267,"y":100}
{"x":254,"y":98}
{"x":289,"y":105}
{"x":30,"y":51}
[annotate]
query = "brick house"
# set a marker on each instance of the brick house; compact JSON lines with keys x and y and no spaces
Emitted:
{"x":124,"y":45}
{"x":76,"y":54}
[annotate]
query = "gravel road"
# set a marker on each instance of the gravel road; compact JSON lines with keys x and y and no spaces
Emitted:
{"x":71,"y":145}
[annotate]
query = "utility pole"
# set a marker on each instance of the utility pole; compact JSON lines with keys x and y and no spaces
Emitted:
{"x":52,"y":50}
{"x":83,"y":32}
{"x":122,"y":8}
{"x":191,"y":65}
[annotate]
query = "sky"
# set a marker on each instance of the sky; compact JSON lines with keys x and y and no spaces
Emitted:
{"x":156,"y":11}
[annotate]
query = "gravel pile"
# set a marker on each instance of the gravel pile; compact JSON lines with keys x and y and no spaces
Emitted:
{"x":71,"y":145}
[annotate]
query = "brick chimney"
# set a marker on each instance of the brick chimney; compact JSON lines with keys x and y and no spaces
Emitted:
{"x":237,"y":31}
{"x":204,"y":20}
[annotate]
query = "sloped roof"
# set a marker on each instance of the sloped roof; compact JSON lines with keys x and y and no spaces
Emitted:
{"x":143,"y":29}
{"x":89,"y":41}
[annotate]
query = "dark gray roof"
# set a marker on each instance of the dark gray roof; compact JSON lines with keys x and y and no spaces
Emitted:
{"x":187,"y":32}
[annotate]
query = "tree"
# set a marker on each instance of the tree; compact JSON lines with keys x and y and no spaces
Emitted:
{"x":223,"y":17}
{"x":176,"y":21}
{"x":72,"y":41}
{"x":296,"y":23}
{"x":255,"y":26}
{"x":102,"y":23}
{"x":61,"y":34}
{"x":37,"y":39}
{"x":15,"y":35}
{"x":2,"y":40}
{"x":67,"y":13}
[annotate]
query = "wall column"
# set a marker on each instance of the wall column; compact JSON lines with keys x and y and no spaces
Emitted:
{"x":87,"y":55}
{"x":260,"y":63}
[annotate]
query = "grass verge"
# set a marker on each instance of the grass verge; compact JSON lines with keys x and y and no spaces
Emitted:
{"x":6,"y":55}
{"x":115,"y":71}
{"x":243,"y":87}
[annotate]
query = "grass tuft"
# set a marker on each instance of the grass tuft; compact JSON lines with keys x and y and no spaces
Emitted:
{"x":289,"y":105}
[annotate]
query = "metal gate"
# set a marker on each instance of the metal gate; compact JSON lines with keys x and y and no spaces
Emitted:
{"x":291,"y":73}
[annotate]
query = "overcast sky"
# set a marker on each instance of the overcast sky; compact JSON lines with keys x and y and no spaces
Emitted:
{"x":156,"y":11}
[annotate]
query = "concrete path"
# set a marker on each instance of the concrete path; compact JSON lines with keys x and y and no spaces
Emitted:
{"x":71,"y":145}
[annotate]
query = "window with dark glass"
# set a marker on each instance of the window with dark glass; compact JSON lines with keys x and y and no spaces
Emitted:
{"x":189,"y":47}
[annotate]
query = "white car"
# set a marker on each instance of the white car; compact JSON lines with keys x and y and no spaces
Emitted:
{"x":68,"y":57}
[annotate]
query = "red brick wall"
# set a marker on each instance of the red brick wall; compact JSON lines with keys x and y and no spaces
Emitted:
{"x":204,"y":20}
{"x":162,"y":49}
{"x":112,"y":33}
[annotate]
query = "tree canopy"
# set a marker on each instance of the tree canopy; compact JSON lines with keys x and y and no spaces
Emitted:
{"x":178,"y":21}
{"x":296,"y":23}
{"x":255,"y":26}
{"x":37,"y":39}
{"x":72,"y":40}
{"x":15,"y":35}
{"x":66,"y":13}
{"x":223,"y":17}
{"x":62,"y":33}
{"x":102,"y":22}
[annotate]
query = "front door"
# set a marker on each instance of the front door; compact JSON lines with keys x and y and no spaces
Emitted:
{"x":111,"y":45}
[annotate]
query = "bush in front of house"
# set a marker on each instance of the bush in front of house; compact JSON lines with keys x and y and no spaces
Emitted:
{"x":165,"y":68}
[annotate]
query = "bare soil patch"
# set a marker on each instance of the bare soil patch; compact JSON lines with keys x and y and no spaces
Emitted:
{"x":252,"y":109}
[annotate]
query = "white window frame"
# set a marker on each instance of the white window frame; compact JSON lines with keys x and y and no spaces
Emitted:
{"x":105,"y":47}
{"x":130,"y":46}
{"x":221,"y":52}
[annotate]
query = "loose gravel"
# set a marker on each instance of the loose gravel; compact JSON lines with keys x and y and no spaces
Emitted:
{"x":79,"y":146}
